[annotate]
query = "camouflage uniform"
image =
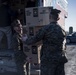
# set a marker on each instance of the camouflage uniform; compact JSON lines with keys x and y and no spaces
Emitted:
{"x":52,"y":52}
{"x":17,"y":44}
{"x":17,"y":34}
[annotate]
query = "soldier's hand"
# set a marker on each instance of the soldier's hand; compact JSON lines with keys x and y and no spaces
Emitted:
{"x":28,"y":59}
{"x":24,"y":37}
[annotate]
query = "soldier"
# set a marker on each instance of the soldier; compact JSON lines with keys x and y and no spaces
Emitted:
{"x":18,"y":45}
{"x":17,"y":33}
{"x":52,"y":53}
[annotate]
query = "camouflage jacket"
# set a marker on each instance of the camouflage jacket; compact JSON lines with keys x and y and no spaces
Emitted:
{"x":52,"y":37}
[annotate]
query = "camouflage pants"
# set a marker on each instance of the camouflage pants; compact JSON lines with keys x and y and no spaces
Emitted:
{"x":52,"y":69}
{"x":20,"y":58}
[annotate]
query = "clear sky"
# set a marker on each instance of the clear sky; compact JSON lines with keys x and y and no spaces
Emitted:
{"x":71,"y":20}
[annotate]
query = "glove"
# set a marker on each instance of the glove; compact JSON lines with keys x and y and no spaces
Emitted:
{"x":24,"y":37}
{"x":29,"y":59}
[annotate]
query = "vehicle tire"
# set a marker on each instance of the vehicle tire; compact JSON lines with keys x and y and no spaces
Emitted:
{"x":67,"y":40}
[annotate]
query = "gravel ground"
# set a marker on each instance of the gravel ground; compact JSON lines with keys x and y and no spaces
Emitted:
{"x":70,"y":67}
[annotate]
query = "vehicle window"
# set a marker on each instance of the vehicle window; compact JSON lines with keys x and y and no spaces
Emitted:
{"x":74,"y":34}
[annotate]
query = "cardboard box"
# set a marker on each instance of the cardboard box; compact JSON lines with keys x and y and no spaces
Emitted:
{"x":37,"y":16}
{"x":33,"y":52}
{"x":32,"y":30}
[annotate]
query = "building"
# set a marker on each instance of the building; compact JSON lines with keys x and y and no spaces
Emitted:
{"x":59,"y":4}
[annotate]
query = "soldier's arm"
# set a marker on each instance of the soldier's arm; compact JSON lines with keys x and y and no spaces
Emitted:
{"x":38,"y":37}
